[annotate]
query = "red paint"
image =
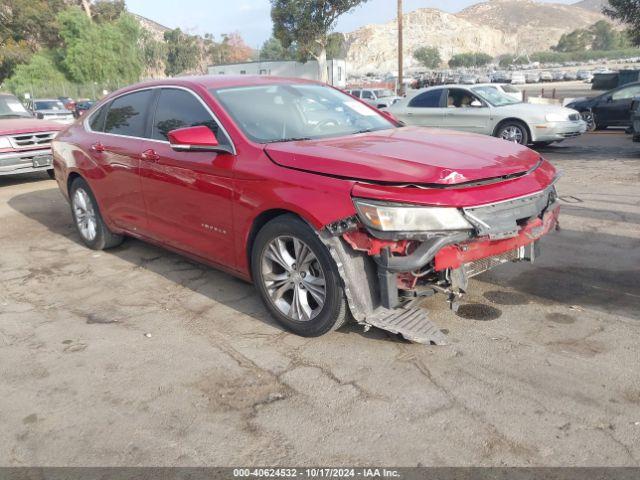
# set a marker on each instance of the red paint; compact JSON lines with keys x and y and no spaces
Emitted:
{"x":204,"y":204}
{"x":200,"y":136}
{"x":20,"y":126}
{"x":454,"y":256}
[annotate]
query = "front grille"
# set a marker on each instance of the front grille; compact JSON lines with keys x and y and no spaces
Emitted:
{"x":479,"y":266}
{"x":28,"y":140}
{"x":574,"y":117}
{"x":504,"y":219}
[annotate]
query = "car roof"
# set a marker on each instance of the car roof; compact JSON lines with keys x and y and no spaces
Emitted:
{"x":46,"y":100}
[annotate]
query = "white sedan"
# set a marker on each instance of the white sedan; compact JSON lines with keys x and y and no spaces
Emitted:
{"x":484,"y":109}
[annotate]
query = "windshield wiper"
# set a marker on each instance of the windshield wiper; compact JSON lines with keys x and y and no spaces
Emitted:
{"x":290,"y":139}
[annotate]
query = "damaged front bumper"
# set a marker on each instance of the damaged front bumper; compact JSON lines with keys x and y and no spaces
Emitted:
{"x":383,"y":275}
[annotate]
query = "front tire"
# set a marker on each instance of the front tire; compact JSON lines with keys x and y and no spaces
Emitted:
{"x":297,"y":278}
{"x":513,"y":131}
{"x":86,"y":215}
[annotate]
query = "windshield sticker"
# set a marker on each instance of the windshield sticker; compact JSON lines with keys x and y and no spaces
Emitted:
{"x":16,"y":107}
{"x":360,"y":108}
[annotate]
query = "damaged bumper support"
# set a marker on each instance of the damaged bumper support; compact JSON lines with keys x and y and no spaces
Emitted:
{"x":383,"y":276}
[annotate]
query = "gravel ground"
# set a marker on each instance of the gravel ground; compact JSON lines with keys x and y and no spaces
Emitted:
{"x":137,"y":356}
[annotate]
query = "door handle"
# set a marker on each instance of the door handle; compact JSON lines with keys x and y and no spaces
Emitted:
{"x":98,"y":147}
{"x":150,"y":155}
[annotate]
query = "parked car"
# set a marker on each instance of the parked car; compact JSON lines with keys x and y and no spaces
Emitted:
{"x":501,"y":77}
{"x":469,"y":79}
{"x":571,"y":76}
{"x":377,"y":97}
{"x":611,"y":109}
{"x":518,"y":78}
{"x":25,"y":142}
{"x":68,"y":102}
{"x":326,"y":218}
{"x":635,"y":119}
{"x":484,"y":109}
{"x":557,"y":75}
{"x":50,"y":109}
{"x":584,"y":75}
{"x":82,"y":107}
{"x":546,"y":76}
{"x":532,"y":77}
{"x":507,"y":89}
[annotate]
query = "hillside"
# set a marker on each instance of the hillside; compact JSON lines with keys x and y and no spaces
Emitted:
{"x":593,"y":5}
{"x":495,"y":27}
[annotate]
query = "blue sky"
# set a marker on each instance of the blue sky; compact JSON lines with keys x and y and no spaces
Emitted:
{"x":251,"y":17}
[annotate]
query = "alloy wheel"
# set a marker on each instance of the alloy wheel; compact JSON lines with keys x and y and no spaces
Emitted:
{"x":85,"y":214}
{"x":512,"y":133}
{"x":590,"y":120}
{"x":293,"y":278}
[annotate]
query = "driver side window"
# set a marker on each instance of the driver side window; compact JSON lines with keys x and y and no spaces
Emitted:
{"x":458,"y":98}
{"x":626,"y":93}
{"x":367,"y":95}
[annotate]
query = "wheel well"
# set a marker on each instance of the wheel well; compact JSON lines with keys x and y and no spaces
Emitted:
{"x":72,"y":176}
{"x":502,"y":122}
{"x":260,"y":221}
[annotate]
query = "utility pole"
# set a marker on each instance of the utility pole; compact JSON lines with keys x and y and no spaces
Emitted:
{"x":400,"y":50}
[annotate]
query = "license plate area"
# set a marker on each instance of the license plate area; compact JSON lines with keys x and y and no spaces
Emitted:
{"x":527,"y":253}
{"x":42,"y":161}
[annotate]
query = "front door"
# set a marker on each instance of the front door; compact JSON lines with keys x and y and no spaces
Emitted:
{"x":189,"y":195}
{"x":466,"y":112}
{"x":616,"y":108}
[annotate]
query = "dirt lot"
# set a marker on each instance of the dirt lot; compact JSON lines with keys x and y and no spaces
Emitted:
{"x":138,"y":357}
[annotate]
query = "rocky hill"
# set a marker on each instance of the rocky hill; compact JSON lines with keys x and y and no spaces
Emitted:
{"x":495,"y":27}
{"x":593,"y":5}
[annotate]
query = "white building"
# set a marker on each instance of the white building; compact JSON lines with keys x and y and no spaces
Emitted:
{"x":336,"y":70}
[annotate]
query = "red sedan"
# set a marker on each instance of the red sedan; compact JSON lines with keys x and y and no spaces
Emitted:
{"x":331,"y":208}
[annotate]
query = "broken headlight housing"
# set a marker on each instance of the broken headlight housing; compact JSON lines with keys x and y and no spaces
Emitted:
{"x":389,"y":217}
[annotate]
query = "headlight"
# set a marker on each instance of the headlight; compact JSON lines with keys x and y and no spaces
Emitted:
{"x":5,"y":143}
{"x":396,"y":218}
{"x":557,"y":117}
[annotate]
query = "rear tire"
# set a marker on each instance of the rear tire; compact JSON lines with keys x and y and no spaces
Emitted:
{"x":513,"y":131}
{"x":86,"y":215}
{"x":297,"y":278}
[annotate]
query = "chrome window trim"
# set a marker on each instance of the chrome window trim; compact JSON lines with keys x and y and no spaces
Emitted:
{"x":87,"y":127}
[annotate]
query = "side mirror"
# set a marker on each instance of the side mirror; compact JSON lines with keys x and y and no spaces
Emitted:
{"x":476,"y":104}
{"x":196,"y":139}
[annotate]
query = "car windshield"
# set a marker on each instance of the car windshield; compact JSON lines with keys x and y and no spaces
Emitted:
{"x":384,"y":93}
{"x":494,"y":96}
{"x":49,"y":105}
{"x":279,"y":113}
{"x":10,"y":107}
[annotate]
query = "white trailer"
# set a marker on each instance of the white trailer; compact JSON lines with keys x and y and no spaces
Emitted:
{"x":336,"y":70}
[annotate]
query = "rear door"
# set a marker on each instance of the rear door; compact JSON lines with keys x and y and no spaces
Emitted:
{"x":117,"y":140}
{"x":189,"y":195}
{"x":425,"y":109}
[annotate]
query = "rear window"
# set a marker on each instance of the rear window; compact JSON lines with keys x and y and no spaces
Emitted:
{"x":127,"y":114}
{"x":429,"y":99}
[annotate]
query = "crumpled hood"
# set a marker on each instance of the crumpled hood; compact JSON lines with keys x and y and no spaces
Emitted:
{"x":409,"y":155}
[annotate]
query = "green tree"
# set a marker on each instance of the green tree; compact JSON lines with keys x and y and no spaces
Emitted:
{"x":603,"y":36}
{"x":336,"y":46}
{"x":473,"y":59}
{"x":107,"y":10}
{"x":26,"y":26}
{"x":307,"y":24}
{"x":573,"y":42}
{"x":39,"y":75}
{"x":183,"y":52}
{"x":102,"y":53}
{"x":628,"y":12}
{"x":429,"y":57}
{"x":272,"y":49}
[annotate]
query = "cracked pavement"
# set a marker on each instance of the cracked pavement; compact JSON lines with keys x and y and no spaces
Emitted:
{"x":137,"y":356}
